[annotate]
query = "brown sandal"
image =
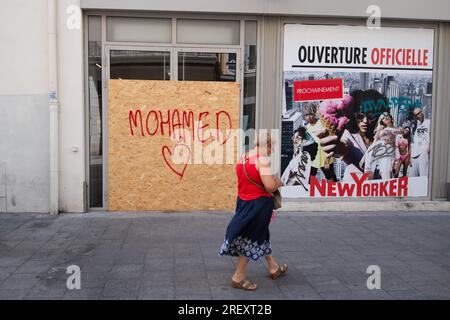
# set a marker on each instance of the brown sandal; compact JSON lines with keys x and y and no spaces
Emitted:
{"x":244,"y":285}
{"x":281,"y":270}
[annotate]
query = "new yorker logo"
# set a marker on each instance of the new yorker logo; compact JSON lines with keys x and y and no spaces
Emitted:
{"x":390,"y":188}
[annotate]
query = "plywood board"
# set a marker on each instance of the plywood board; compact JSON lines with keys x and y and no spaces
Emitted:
{"x":155,"y":165}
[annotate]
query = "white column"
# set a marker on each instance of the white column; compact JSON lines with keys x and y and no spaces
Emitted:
{"x":53,"y":108}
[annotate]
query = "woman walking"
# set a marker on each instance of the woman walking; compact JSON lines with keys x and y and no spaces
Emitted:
{"x":247,"y":235}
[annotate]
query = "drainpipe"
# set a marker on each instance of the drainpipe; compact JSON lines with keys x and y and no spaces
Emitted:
{"x":53,"y":107}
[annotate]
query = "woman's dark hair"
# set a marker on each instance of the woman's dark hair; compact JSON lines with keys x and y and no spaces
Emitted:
{"x":310,"y":148}
{"x":301,"y":132}
{"x":371,"y":103}
{"x":409,"y":136}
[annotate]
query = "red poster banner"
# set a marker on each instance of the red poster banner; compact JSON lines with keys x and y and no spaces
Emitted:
{"x":309,"y":90}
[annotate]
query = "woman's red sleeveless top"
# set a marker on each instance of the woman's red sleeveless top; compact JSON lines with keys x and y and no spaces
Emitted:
{"x":246,"y":189}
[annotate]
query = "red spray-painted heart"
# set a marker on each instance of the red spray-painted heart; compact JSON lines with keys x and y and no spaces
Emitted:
{"x":166,"y":149}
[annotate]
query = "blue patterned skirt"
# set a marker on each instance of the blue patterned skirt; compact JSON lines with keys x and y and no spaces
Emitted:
{"x":248,"y":231}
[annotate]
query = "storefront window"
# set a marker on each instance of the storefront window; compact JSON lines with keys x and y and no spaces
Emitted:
{"x":249,"y":79}
{"x":95,"y":112}
{"x":199,"y":66}
{"x":123,"y":29}
{"x":140,"y":65}
{"x":208,"y":31}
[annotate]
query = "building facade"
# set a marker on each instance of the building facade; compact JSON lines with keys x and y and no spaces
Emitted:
{"x":59,"y":56}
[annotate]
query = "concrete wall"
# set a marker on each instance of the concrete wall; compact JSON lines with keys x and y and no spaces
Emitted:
{"x":403,"y":9}
{"x":24,"y":115}
{"x":24,"y":121}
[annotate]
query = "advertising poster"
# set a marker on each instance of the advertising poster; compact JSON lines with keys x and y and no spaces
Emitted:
{"x":356,"y":111}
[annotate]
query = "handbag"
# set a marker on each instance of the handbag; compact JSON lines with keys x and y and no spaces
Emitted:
{"x":276,"y":194}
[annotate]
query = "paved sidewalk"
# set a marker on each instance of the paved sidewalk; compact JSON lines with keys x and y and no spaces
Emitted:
{"x":174,"y":256}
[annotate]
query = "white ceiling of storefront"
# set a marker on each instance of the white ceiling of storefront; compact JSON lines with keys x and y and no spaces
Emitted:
{"x":399,"y":9}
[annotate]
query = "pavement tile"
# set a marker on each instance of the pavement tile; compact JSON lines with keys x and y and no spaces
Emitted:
{"x":157,"y":278}
{"x":374,"y":294}
{"x":90,"y":280}
{"x":264,"y":293}
{"x":300,"y":292}
{"x":154,"y":252}
{"x":121,"y":288}
{"x":339,"y":295}
{"x":334,"y":285}
{"x":219,"y":278}
{"x":406,"y":295}
{"x":16,"y":261}
{"x":433,"y":291}
{"x":224,"y":292}
{"x":157,"y":293}
{"x":83,"y":294}
{"x":42,"y":291}
{"x":193,"y":296}
{"x":118,"y":298}
{"x":12,"y":294}
{"x":192,"y":287}
{"x":130,"y":257}
{"x":20,"y":281}
{"x":126,"y":271}
{"x":34,"y":266}
{"x":8,"y":245}
{"x":159,"y":264}
{"x":96,"y":266}
{"x":5,"y":272}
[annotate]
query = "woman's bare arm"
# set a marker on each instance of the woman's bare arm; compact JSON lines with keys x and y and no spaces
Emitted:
{"x":271,"y":183}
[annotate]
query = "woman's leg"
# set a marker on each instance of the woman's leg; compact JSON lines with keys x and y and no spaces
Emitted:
{"x":275,"y":270}
{"x":241,"y":271}
{"x":397,"y":166}
{"x":405,"y":167}
{"x":273,"y":265}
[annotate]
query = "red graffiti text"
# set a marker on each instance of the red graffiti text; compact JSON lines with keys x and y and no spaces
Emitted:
{"x":166,"y":123}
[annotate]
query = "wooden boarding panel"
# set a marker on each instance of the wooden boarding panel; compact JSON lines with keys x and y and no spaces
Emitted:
{"x":159,"y":138}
